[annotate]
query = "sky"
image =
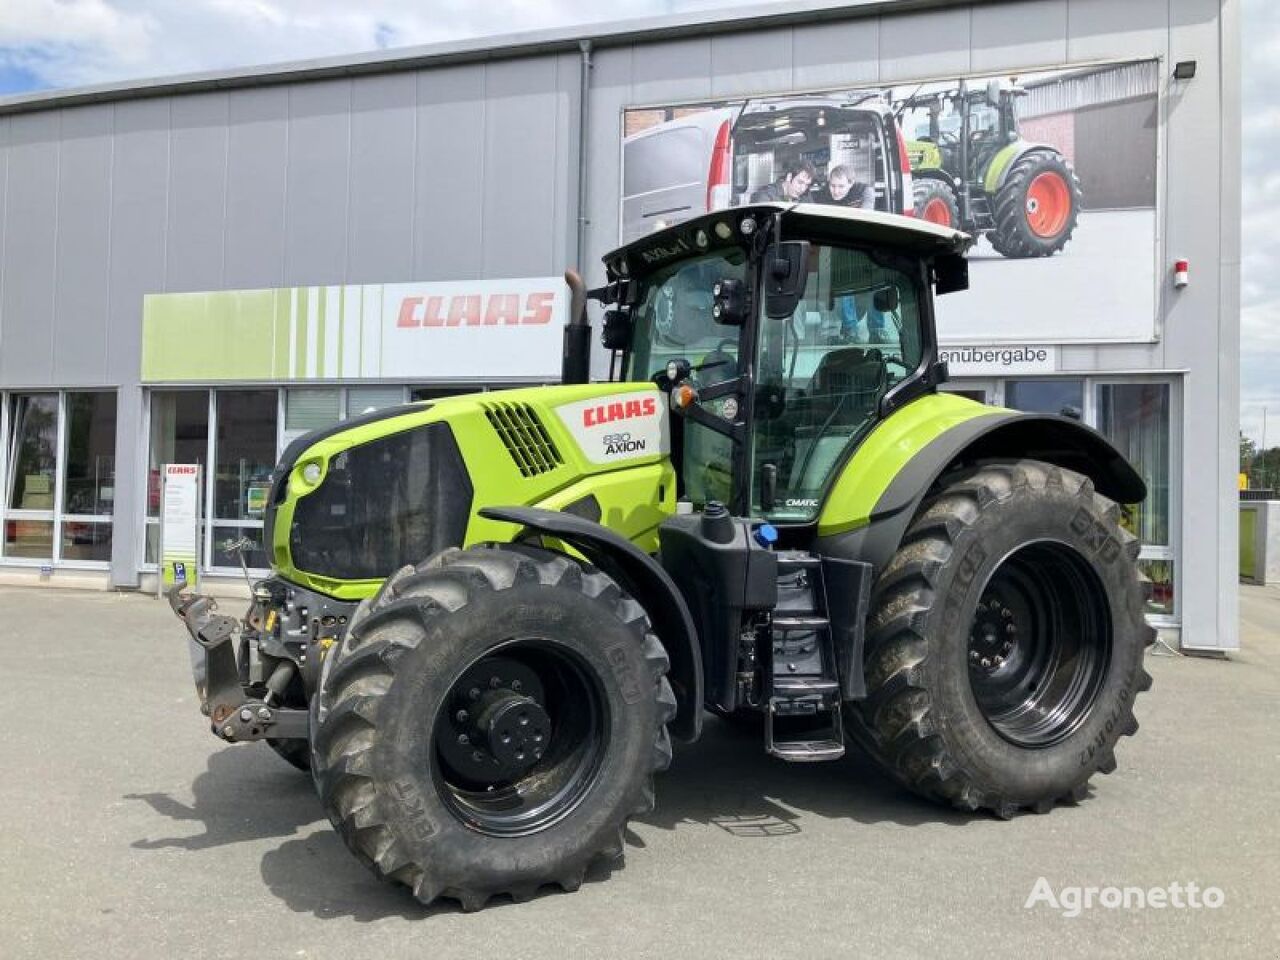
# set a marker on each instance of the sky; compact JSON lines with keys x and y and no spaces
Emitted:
{"x":66,"y":43}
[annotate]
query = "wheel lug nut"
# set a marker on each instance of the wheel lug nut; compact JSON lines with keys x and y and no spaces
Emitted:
{"x":524,"y":719}
{"x":999,"y":661}
{"x":246,"y":715}
{"x":495,"y":682}
{"x":474,"y":693}
{"x":516,"y":684}
{"x":973,"y":654}
{"x":1010,"y":628}
{"x":462,"y":716}
{"x":986,"y":662}
{"x":463,"y":739}
{"x":477,"y":756}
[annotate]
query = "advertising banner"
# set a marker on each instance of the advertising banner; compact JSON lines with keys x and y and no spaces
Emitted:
{"x":479,"y":329}
{"x":1053,"y":173}
{"x":179,"y":525}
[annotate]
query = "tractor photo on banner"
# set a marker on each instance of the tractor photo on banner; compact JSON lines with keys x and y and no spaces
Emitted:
{"x":1052,"y":172}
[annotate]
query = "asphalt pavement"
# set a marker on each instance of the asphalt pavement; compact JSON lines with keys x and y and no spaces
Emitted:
{"x":127,"y":831}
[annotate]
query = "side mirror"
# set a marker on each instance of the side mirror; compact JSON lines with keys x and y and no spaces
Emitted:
{"x":729,"y":302}
{"x":615,"y":331}
{"x":786,"y":271}
{"x":994,"y":88}
{"x":950,"y":273}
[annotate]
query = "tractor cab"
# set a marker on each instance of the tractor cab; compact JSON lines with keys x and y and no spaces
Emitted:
{"x":783,"y":334}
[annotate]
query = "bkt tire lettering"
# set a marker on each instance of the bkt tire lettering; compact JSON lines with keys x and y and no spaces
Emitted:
{"x":1095,"y":536}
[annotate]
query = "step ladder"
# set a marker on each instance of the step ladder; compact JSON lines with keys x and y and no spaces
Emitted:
{"x":803,"y":681}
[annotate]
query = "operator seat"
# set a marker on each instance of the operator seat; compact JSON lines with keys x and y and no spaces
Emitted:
{"x":847,"y":384}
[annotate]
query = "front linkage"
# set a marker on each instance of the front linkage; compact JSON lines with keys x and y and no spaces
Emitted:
{"x":253,"y":675}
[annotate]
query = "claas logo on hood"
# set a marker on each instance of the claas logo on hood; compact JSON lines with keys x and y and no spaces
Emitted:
{"x":622,"y":410}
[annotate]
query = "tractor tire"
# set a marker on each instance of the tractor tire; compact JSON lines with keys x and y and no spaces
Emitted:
{"x":1037,"y":208}
{"x":935,"y":202}
{"x":490,"y":722}
{"x":296,"y":753}
{"x":1005,"y":642}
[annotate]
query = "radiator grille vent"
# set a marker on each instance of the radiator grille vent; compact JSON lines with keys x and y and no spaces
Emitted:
{"x":525,"y":437}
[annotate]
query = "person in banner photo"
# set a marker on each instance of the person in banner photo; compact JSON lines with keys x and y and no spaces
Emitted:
{"x":842,"y":190}
{"x":796,"y":180}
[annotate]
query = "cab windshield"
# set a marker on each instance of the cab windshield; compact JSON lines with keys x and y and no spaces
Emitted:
{"x":674,"y":321}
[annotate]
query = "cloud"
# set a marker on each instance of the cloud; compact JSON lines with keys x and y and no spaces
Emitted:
{"x":75,"y":42}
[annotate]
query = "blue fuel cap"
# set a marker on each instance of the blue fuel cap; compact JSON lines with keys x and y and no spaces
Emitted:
{"x":766,"y":535}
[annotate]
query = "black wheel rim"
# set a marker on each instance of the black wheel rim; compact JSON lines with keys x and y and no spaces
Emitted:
{"x":1040,"y":644}
{"x":520,"y":738}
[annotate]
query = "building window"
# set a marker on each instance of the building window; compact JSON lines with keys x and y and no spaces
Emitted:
{"x":1135,"y":417}
{"x":244,"y":456}
{"x":307,"y":409}
{"x":1046,"y":396}
{"x":361,"y":400}
{"x":59,"y":465}
{"x":179,"y":434}
{"x":89,"y":484}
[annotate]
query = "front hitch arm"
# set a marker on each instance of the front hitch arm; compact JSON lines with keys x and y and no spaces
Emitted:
{"x":233,"y":714}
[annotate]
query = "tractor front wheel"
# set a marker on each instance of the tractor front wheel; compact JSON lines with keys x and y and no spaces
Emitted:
{"x":1037,"y":208}
{"x":1005,"y":642}
{"x":492,"y":719}
{"x":935,"y":202}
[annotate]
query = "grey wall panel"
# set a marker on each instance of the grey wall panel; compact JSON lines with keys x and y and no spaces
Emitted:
{"x":450,"y":173}
{"x":747,"y":63}
{"x":610,"y":94}
{"x":673,"y":72}
{"x":380,"y":231}
{"x":1106,"y":30}
{"x":1193,"y":333}
{"x":317,"y":197}
{"x":831,"y":55}
{"x":564,"y":205}
{"x":1030,"y":33}
{"x":919,"y":45}
{"x":196,"y":217}
{"x":139,"y":202}
{"x":83,"y":248}
{"x":522,"y":155}
{"x":30,"y":236}
{"x":257,"y":152}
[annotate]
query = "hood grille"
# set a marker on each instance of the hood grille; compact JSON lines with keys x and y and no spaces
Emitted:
{"x":524,"y":436}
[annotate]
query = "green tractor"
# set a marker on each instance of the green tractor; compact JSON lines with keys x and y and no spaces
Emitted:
{"x":489,"y":615}
{"x":972,"y":170}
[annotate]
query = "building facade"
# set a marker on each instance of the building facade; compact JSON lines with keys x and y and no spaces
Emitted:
{"x":196,"y":269}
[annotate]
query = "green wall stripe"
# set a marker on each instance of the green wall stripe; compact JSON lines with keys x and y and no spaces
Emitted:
{"x":300,"y":338}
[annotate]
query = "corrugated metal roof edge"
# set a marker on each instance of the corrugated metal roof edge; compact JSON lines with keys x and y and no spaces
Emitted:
{"x":478,"y":49}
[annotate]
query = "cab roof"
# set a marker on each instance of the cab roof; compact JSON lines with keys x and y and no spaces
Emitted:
{"x":816,"y":221}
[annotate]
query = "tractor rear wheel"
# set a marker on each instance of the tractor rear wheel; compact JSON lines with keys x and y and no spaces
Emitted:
{"x":935,"y":202}
{"x":1005,"y":642}
{"x":490,"y":722}
{"x":1037,"y":208}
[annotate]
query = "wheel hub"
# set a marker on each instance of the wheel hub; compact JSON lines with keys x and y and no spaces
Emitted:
{"x":993,"y":636}
{"x":498,"y":725}
{"x":515,"y":729}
